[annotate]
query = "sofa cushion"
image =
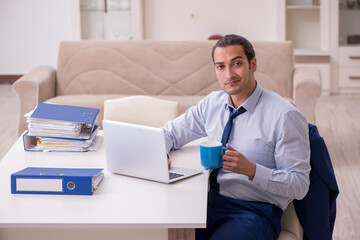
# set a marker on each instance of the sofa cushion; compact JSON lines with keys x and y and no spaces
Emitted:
{"x":97,"y":101}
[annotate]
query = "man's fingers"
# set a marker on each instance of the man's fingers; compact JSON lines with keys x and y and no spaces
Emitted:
{"x":169,"y":162}
{"x":229,"y":147}
{"x":231,"y":153}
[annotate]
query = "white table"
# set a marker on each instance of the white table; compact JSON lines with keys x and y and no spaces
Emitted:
{"x":121,"y":208}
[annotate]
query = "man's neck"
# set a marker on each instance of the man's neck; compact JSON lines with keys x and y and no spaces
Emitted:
{"x":239,"y":99}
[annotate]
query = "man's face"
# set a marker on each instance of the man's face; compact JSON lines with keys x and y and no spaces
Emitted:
{"x":233,"y":70}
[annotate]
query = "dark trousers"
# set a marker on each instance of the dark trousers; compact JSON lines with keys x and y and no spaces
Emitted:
{"x":229,"y":218}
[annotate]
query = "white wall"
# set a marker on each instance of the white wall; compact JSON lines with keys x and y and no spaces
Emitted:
{"x":197,"y":20}
{"x":30,"y":32}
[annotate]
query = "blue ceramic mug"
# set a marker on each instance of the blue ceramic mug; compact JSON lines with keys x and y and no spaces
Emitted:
{"x":211,"y":154}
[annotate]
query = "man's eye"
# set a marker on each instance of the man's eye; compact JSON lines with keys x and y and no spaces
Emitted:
{"x":237,"y":63}
{"x":220,"y":67}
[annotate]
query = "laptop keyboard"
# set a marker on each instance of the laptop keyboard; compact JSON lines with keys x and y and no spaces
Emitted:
{"x":173,"y":175}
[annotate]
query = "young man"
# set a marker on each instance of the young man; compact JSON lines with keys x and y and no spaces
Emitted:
{"x":267,"y":164}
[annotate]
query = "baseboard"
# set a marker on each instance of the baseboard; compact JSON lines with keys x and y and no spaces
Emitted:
{"x":9,"y":78}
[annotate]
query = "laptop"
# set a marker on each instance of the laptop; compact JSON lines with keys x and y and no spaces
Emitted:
{"x":140,"y":151}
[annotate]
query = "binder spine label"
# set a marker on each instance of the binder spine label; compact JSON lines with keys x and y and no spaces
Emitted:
{"x":39,"y":185}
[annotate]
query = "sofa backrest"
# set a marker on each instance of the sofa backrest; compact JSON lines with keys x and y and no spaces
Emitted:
{"x":276,"y":63}
{"x":146,"y":67}
{"x":136,"y":67}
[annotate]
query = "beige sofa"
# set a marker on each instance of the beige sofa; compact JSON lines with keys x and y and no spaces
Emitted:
{"x":90,"y":72}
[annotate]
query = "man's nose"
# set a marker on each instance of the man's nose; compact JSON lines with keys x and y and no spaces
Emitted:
{"x":229,"y":73}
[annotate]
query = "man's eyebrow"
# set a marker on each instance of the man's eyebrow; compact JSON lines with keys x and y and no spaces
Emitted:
{"x":233,"y":59}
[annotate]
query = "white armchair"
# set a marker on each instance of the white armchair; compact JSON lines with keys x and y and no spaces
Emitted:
{"x":141,"y":109}
{"x":290,"y":225}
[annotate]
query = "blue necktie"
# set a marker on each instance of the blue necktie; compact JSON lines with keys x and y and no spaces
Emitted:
{"x":214,"y":186}
{"x":228,"y":126}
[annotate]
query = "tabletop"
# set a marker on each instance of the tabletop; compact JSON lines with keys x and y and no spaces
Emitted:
{"x":119,"y":201}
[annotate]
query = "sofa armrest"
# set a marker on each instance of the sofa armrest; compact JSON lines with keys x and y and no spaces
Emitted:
{"x":34,"y":87}
{"x":307,"y":90}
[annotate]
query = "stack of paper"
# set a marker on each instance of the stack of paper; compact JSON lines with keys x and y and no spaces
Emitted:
{"x":54,"y":127}
{"x":68,"y":144}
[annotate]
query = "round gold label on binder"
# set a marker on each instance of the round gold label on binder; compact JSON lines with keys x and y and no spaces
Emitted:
{"x":71,"y":185}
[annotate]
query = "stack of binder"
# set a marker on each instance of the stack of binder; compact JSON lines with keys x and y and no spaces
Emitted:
{"x":55,"y":127}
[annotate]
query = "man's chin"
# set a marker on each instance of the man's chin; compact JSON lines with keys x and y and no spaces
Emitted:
{"x":233,"y":91}
{"x":232,"y":88}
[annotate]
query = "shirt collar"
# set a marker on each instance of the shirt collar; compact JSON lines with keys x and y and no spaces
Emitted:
{"x":251,"y":102}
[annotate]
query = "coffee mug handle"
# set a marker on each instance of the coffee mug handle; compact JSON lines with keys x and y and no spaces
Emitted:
{"x":223,"y":149}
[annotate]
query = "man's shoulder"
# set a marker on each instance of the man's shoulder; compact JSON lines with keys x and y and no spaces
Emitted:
{"x":274,"y":99}
{"x":281,"y":111}
{"x":276,"y":105}
{"x":212,"y":100}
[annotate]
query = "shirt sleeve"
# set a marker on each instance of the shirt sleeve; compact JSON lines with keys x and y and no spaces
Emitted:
{"x":290,"y":178}
{"x":186,"y":128}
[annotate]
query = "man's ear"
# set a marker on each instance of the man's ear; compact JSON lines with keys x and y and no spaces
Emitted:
{"x":253,"y":64}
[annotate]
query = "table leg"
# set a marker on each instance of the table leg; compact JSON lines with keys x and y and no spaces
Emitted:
{"x":181,"y":234}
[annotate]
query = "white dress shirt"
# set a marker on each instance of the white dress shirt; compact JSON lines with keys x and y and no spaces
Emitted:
{"x":273,"y":133}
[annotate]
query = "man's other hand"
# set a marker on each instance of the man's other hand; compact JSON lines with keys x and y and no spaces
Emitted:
{"x":168,"y":160}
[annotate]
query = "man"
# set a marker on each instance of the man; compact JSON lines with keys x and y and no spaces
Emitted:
{"x":267,"y":164}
